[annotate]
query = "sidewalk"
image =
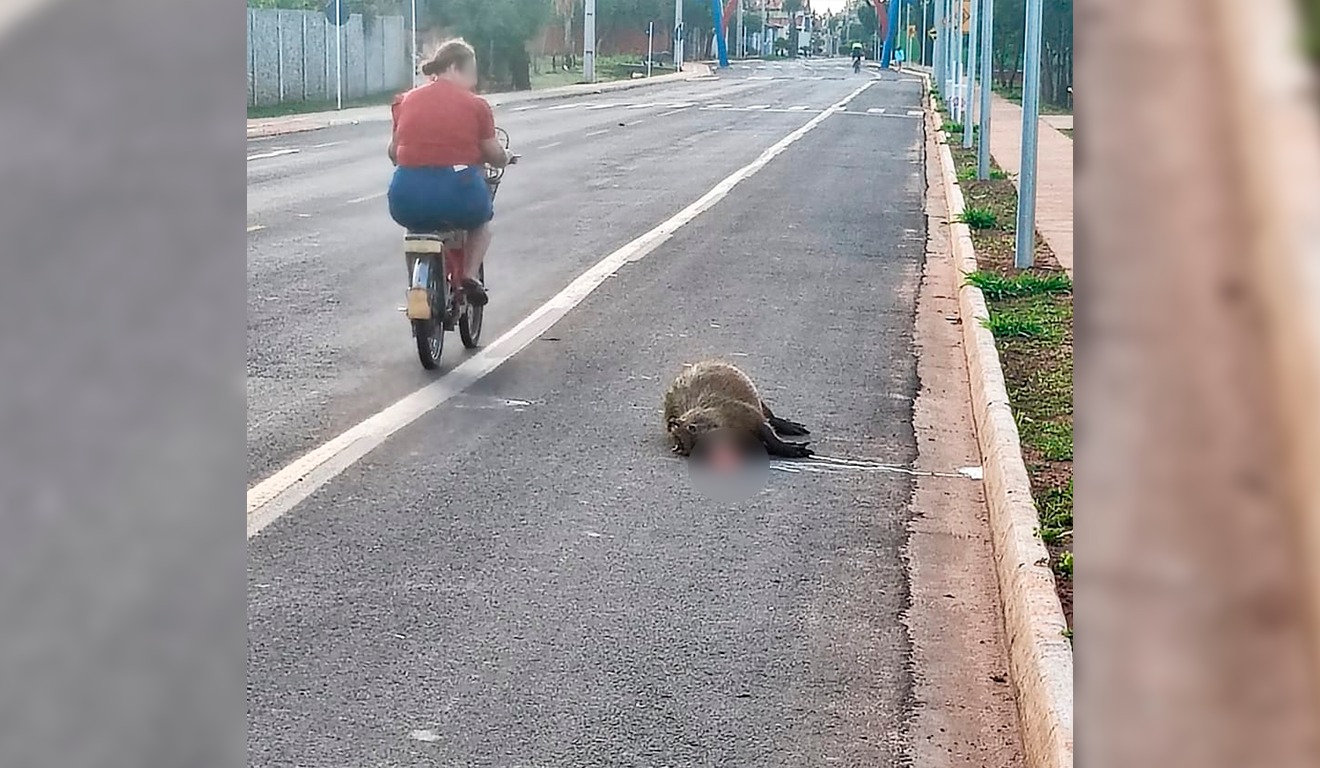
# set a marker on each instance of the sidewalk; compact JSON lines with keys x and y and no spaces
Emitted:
{"x":1054,"y":169}
{"x":277,"y":126}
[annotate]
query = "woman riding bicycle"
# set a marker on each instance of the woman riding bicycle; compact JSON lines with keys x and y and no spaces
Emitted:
{"x":443,"y":134}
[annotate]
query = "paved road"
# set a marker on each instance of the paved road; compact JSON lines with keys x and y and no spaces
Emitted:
{"x":523,"y":576}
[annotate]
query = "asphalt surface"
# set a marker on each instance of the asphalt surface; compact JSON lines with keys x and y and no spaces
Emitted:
{"x":525,"y":576}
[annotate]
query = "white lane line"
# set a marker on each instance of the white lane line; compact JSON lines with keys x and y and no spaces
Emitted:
{"x":875,"y":111}
{"x":558,"y":107}
{"x":604,"y":106}
{"x":717,"y":106}
{"x":757,"y":107}
{"x":641,"y":106}
{"x":272,"y":153}
{"x":597,"y":133}
{"x":551,"y":145}
{"x":799,"y":108}
{"x":275,"y":496}
{"x":256,"y":228}
{"x":328,"y":144}
{"x":365,"y":198}
{"x":524,"y":109}
{"x":672,"y":112}
{"x":634,"y":122}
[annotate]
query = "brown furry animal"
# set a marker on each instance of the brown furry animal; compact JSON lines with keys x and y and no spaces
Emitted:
{"x":712,"y":395}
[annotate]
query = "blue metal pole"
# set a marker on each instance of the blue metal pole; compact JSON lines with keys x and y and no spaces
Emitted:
{"x":721,"y":45}
{"x":937,"y":50}
{"x":1025,"y":254}
{"x":890,"y":32}
{"x":969,"y":91}
{"x":987,"y":74}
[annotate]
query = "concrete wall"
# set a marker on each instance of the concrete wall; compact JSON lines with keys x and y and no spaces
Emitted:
{"x":291,"y":56}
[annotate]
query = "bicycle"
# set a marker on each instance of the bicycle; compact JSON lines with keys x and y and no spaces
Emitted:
{"x":436,"y":266}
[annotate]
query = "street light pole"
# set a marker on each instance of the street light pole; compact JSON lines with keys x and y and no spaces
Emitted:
{"x":742,"y":33}
{"x":987,"y":74}
{"x":678,"y":35}
{"x":589,"y":41}
{"x":970,"y":90}
{"x":339,"y":56}
{"x":1024,"y":255}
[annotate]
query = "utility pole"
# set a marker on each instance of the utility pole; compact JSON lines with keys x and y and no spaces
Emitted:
{"x":742,"y":33}
{"x":1024,"y":255}
{"x":937,"y":50}
{"x":921,"y":33}
{"x":339,"y":56}
{"x":678,"y":35}
{"x":960,"y":106}
{"x":970,"y":90}
{"x":650,"y":36}
{"x":987,"y":75}
{"x":589,"y":42}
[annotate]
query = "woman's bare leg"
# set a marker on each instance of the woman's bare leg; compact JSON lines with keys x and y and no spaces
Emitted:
{"x":478,"y":242}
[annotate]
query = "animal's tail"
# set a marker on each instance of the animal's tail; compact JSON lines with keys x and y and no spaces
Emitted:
{"x":784,"y":426}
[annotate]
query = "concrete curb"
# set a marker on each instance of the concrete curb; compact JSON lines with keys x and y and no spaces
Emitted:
{"x":280,"y":126}
{"x":1040,"y":656}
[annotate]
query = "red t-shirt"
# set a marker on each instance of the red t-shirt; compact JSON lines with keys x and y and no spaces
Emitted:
{"x":440,"y":123}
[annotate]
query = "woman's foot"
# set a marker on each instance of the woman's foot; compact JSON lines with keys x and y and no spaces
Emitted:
{"x":475,"y":293}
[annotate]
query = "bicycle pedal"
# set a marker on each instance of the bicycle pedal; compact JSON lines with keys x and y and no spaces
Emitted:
{"x":419,"y":304}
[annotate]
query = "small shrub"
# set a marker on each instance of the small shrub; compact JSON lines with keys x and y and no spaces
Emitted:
{"x":979,"y":218}
{"x":1015,"y":326}
{"x":998,"y":287}
{"x":1065,"y":564}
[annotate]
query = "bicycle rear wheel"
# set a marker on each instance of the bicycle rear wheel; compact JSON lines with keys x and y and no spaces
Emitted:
{"x":430,"y":334}
{"x":469,"y":324}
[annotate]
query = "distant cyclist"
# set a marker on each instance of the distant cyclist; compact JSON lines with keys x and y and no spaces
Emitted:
{"x":857,"y":57}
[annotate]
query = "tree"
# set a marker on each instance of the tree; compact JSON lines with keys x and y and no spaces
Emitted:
{"x":498,"y":29}
{"x":792,"y":8}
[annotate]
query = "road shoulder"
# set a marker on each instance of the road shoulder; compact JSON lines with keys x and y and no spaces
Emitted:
{"x":966,"y":715}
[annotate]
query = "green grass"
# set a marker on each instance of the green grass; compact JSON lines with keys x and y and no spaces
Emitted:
{"x":1065,"y":564}
{"x":607,"y":68}
{"x":1014,"y":95}
{"x":1055,"y":507}
{"x":306,"y":107}
{"x":998,"y":287}
{"x":1010,"y":326}
{"x":979,"y":218}
{"x":968,"y":173}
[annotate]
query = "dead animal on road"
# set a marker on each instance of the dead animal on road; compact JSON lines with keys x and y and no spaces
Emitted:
{"x":714,"y":395}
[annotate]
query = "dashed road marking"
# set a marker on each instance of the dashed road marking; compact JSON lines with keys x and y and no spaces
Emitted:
{"x":672,"y":112}
{"x":256,"y":228}
{"x":551,"y":145}
{"x":328,"y":144}
{"x":799,"y":108}
{"x":875,"y":111}
{"x":272,"y":153}
{"x":272,"y":498}
{"x":365,"y":198}
{"x":558,"y":107}
{"x":597,"y":133}
{"x":526,"y":108}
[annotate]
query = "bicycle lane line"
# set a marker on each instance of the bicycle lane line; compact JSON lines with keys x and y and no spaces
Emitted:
{"x":272,"y":498}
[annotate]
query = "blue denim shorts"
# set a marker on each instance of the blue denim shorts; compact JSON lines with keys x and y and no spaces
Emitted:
{"x":435,"y":199}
